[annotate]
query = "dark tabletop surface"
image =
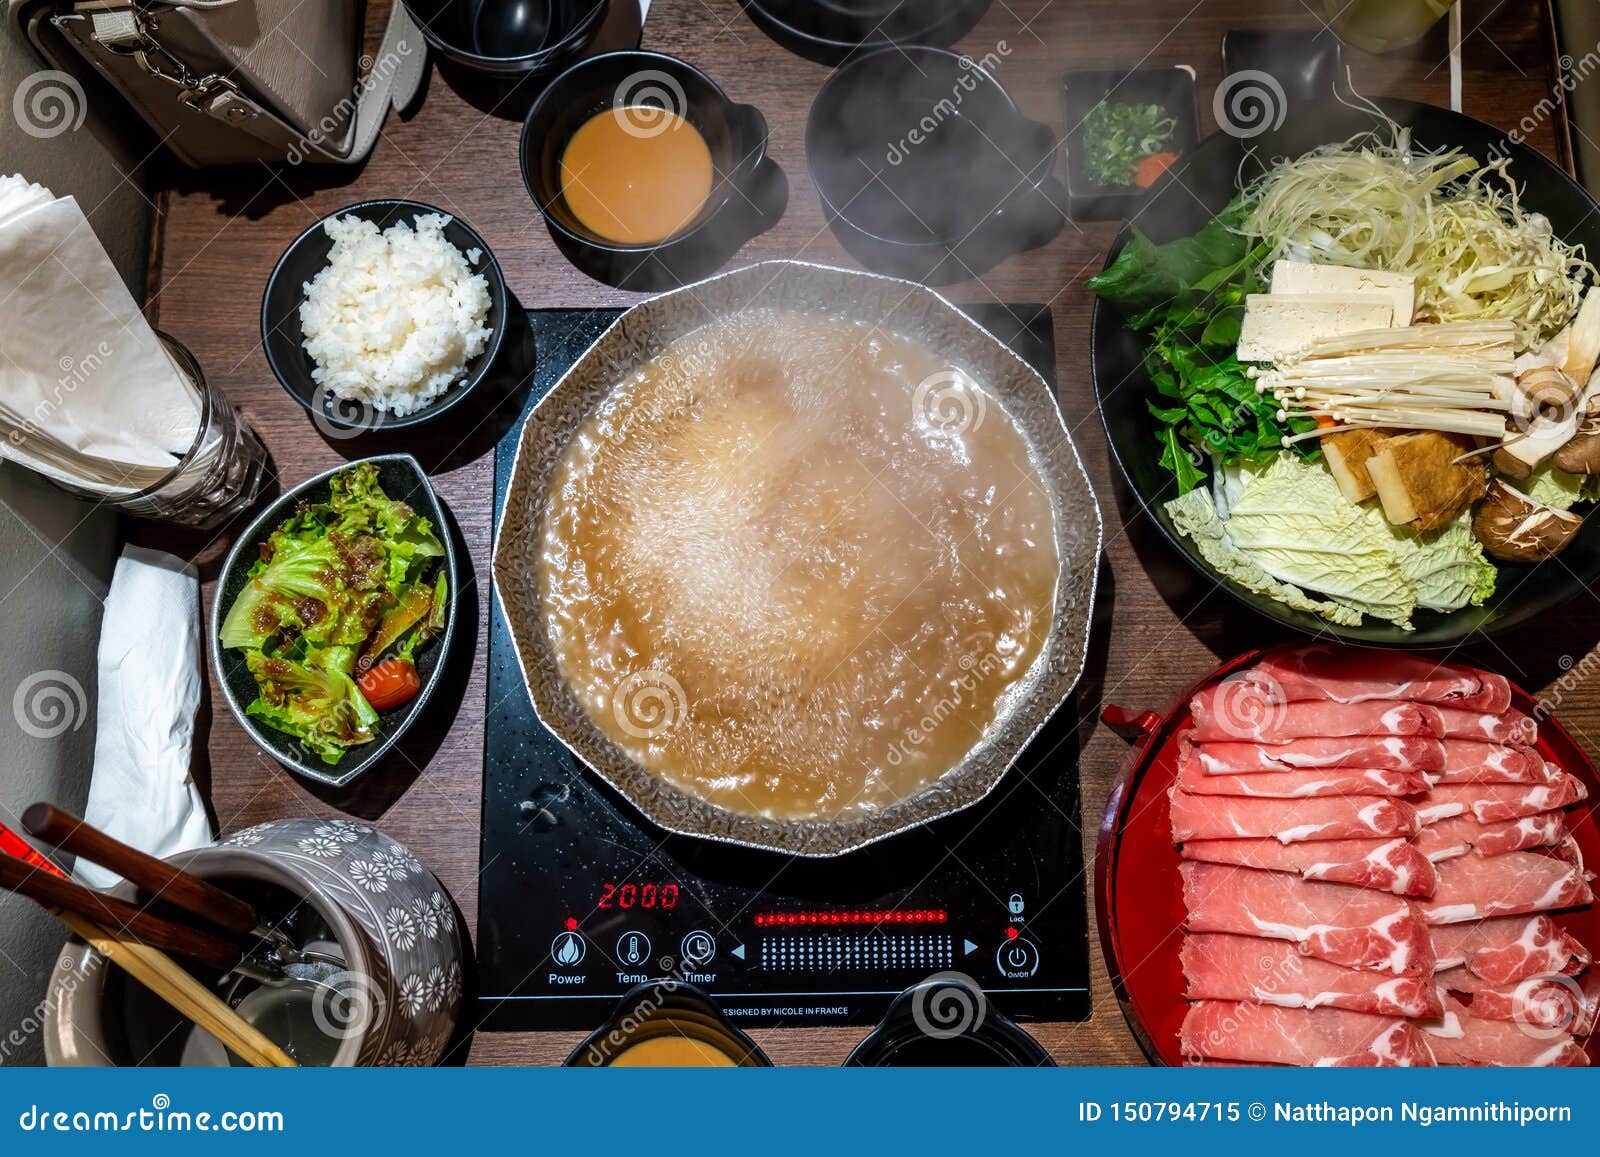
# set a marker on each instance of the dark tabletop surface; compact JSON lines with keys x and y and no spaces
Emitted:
{"x":220,"y":233}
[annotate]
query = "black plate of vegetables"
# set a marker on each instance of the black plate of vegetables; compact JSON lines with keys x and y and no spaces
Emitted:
{"x":334,"y":614}
{"x":1505,"y":540}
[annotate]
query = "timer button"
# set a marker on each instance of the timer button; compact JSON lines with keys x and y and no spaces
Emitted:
{"x":698,"y":948}
{"x":1017,"y":959}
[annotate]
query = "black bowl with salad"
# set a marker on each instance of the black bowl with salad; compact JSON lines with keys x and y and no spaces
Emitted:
{"x":1347,"y":368}
{"x":334,"y":614}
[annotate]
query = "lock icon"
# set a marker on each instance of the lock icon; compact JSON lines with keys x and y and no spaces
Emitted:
{"x":1015,"y":905}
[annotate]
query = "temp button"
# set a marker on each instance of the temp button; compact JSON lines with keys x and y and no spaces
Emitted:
{"x":1017,"y":959}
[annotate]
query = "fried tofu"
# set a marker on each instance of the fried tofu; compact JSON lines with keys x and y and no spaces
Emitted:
{"x":1420,"y":483}
{"x":1347,"y":452}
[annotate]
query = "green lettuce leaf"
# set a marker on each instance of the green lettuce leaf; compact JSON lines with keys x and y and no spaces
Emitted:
{"x":1554,"y":487}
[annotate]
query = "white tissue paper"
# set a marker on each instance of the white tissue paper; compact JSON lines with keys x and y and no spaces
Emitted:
{"x":150,"y":671}
{"x":84,"y":379}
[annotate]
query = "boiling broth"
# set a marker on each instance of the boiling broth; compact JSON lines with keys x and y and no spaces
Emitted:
{"x":636,"y":175}
{"x":792,"y":563}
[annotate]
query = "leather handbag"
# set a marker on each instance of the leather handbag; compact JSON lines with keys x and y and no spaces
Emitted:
{"x":226,"y":82}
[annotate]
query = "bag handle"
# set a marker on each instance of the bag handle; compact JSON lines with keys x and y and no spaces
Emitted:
{"x":391,"y":80}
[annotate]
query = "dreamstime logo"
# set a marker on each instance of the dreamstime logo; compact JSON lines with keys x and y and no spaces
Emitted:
{"x":947,"y":1005}
{"x":340,"y":419}
{"x":349,"y":1006}
{"x":1545,"y":398}
{"x":649,"y":703}
{"x":1249,"y":103}
{"x":48,"y":704}
{"x":1249,"y":705}
{"x":48,"y":104}
{"x":1548,"y":1007}
{"x":648,"y":102}
{"x":949,"y":402}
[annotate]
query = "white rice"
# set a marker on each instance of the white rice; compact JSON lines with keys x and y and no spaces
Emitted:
{"x":394,"y":317}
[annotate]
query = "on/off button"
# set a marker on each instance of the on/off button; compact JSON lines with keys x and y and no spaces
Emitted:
{"x":1017,"y":959}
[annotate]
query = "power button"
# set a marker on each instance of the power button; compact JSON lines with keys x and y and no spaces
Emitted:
{"x":1017,"y":959}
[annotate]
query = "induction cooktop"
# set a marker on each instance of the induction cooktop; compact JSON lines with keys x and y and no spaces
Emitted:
{"x":581,"y":898}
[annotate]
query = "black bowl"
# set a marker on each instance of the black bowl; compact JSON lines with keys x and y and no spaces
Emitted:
{"x":925,"y":167}
{"x":283,"y":339}
{"x":1182,"y":202}
{"x":947,"y":1022}
{"x":748,"y":193}
{"x":509,"y":38}
{"x":831,"y":31}
{"x":402,"y":478}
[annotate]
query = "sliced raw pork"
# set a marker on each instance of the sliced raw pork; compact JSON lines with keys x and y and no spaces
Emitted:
{"x":1557,"y":1003}
{"x":1390,"y":865}
{"x":1490,"y":803}
{"x":1394,"y":752}
{"x":1510,"y":949}
{"x":1237,"y":709}
{"x":1351,"y":675}
{"x":1220,"y":967}
{"x":1511,"y":727}
{"x":1264,"y":1034}
{"x":1459,"y":1038}
{"x":1356,"y":927}
{"x":1201,"y":817}
{"x":1468,"y":761}
{"x":1303,"y":784}
{"x":1478,"y":887}
{"x":1461,"y":834}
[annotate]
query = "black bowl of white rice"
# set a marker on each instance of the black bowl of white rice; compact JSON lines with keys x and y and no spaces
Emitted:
{"x":383,"y":315}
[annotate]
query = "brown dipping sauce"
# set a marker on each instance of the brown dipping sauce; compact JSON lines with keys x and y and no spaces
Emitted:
{"x":636,"y":175}
{"x":672,"y":1052}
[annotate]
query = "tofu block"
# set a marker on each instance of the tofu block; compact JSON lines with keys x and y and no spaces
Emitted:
{"x":1347,"y":453}
{"x":1277,"y":325}
{"x":1290,"y":277}
{"x":1419,"y":481}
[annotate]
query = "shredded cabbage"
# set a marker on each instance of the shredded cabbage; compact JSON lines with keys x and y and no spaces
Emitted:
{"x":1375,"y":202}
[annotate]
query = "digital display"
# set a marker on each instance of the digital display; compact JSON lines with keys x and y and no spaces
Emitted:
{"x":655,"y":894}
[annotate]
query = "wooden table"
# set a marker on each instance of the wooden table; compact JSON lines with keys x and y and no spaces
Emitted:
{"x":221,"y":233}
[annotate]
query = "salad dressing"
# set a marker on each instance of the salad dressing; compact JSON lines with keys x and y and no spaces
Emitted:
{"x":793,"y":563}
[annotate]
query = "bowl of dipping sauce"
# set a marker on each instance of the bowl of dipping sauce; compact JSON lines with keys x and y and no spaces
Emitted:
{"x":947,"y":1022}
{"x":647,"y":174}
{"x":509,"y":38}
{"x":667,"y":1023}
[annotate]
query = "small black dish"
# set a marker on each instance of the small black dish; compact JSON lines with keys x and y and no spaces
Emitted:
{"x":509,"y":38}
{"x":832,"y":31}
{"x":1306,"y":63}
{"x":665,"y":1008}
{"x":947,"y":1023}
{"x":402,"y":478}
{"x":283,"y":340}
{"x":748,"y":192}
{"x":1171,"y":88}
{"x":925,"y":167}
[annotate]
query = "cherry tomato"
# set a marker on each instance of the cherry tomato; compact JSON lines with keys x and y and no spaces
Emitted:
{"x":390,"y":683}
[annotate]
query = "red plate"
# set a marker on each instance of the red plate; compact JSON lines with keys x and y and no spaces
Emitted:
{"x":1139,"y":901}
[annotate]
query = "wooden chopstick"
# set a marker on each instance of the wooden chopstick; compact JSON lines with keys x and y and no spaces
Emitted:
{"x":207,"y":901}
{"x":58,"y":893}
{"x":191,"y":999}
